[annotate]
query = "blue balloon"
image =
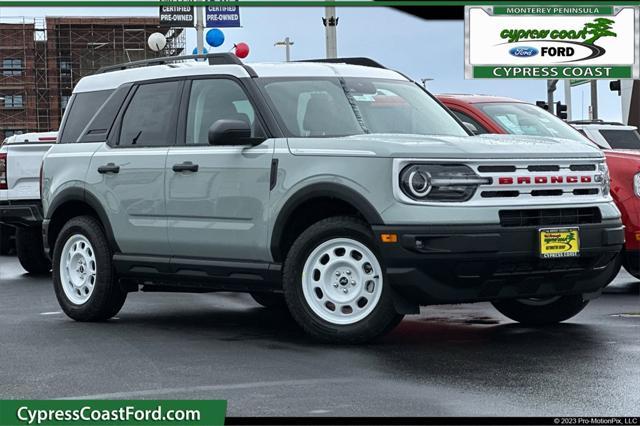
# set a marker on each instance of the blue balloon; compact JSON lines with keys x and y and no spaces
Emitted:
{"x":195,"y":52}
{"x":215,"y":37}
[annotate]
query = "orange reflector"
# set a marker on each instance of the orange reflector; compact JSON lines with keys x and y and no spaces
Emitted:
{"x":637,"y":236}
{"x":389,"y":238}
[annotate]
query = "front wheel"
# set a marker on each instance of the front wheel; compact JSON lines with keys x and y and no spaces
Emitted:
{"x":334,"y":285}
{"x":541,"y":311}
{"x":83,"y":277}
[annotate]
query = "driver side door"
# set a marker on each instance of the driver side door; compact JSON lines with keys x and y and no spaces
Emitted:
{"x":217,"y":195}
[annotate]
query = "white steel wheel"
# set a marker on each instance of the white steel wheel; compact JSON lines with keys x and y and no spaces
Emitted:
{"x":78,"y":269}
{"x":342,"y":281}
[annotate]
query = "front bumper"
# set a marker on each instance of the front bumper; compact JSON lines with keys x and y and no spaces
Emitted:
{"x":459,"y":264}
{"x":21,"y":213}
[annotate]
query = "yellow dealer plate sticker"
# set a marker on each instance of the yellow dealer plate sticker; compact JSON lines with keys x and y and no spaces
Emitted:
{"x":559,"y":242}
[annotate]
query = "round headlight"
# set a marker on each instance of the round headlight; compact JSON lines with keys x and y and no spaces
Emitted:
{"x":419,"y":183}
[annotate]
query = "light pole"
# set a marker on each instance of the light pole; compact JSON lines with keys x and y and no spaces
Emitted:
{"x":287,"y":43}
{"x":424,"y":81}
{"x":330,"y":22}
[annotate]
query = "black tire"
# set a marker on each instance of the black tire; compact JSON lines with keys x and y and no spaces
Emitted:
{"x":273,"y":301}
{"x":107,"y":297}
{"x":6,"y":232}
{"x":31,"y":251}
{"x":631,"y":263}
{"x":380,"y":321}
{"x":555,"y":311}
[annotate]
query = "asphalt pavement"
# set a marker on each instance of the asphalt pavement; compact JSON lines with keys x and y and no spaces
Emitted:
{"x":465,"y":360}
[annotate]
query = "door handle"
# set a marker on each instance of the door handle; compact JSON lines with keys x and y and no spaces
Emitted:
{"x":187,"y":166}
{"x":108,"y":168}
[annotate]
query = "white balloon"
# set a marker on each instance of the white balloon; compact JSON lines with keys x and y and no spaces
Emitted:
{"x":157,"y":42}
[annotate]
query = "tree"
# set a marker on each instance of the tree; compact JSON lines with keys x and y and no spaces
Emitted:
{"x":600,"y":27}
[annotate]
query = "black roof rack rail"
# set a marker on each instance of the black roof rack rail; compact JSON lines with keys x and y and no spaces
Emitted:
{"x":214,"y":59}
{"x":365,"y":62}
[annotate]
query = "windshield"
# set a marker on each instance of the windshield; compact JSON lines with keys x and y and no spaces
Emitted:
{"x":526,"y":119}
{"x":622,"y":138}
{"x":325,"y":107}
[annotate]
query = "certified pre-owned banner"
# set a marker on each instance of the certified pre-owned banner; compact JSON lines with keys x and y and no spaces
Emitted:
{"x":76,"y":413}
{"x":551,"y":42}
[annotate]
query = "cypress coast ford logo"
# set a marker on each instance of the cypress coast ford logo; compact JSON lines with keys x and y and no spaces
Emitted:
{"x":568,"y":45}
{"x":552,"y":41}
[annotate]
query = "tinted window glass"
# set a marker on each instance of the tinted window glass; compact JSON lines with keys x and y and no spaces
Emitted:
{"x":150,"y":116}
{"x":479,"y":130}
{"x":83,"y":108}
{"x":622,"y":139}
{"x":213,"y":100}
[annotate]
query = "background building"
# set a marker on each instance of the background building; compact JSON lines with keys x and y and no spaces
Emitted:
{"x":41,"y":60}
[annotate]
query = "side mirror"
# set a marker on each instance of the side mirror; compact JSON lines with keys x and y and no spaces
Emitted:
{"x":230,"y":132}
{"x":471,"y":127}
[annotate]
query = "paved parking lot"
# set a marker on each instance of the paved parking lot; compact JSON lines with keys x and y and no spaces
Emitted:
{"x":448,"y":361}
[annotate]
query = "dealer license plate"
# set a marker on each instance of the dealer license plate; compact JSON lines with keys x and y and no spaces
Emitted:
{"x":559,"y":242}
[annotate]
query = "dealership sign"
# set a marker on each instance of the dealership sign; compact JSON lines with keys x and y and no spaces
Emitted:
{"x":222,"y":16}
{"x":552,"y":42}
{"x":177,"y":16}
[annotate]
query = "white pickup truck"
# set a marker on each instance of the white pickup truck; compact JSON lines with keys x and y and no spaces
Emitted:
{"x":20,"y":206}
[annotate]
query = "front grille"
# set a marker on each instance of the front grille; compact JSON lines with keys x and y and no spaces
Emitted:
{"x":550,"y":217}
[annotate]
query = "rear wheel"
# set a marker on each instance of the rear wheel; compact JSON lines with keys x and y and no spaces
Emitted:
{"x":5,"y":239}
{"x":83,"y":277}
{"x":334,"y":283}
{"x":541,"y":311}
{"x":31,"y":251}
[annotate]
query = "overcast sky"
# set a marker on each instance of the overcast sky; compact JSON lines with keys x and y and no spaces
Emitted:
{"x":418,"y":48}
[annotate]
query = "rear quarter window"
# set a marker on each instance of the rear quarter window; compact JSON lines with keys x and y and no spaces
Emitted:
{"x":83,"y":107}
{"x":622,"y":139}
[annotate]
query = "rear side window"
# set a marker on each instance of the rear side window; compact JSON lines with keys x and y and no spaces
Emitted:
{"x":480,"y":130}
{"x":83,"y":108}
{"x":622,"y":139}
{"x":150,"y":118}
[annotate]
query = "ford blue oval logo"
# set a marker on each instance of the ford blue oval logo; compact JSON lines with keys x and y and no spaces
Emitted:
{"x":523,"y":51}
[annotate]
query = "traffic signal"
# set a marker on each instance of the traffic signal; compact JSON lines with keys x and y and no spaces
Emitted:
{"x":561,"y":110}
{"x":614,"y":86}
{"x":543,"y":105}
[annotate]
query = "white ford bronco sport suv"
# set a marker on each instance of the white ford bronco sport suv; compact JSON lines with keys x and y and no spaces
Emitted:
{"x":340,"y":190}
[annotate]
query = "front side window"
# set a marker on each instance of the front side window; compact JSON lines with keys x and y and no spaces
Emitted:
{"x":330,"y":107}
{"x":213,"y":100}
{"x":622,"y":138}
{"x":526,"y":119}
{"x":465,"y":118}
{"x":150,"y":117}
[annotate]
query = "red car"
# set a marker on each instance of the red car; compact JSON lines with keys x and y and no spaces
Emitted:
{"x":491,"y":114}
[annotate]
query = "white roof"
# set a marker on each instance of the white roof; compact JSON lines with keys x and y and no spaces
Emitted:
{"x":114,"y":79}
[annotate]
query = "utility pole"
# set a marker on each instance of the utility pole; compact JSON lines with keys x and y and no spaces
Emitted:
{"x":287,"y":43}
{"x":330,"y":22}
{"x":424,"y":81}
{"x":200,"y":29}
{"x":594,"y":99}
{"x":551,"y":87}
{"x":567,"y":97}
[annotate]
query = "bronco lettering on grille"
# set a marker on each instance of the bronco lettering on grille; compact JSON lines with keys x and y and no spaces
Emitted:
{"x":543,"y":180}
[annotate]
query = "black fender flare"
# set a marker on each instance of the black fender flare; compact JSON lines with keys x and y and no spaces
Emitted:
{"x":83,"y":196}
{"x":317,"y":190}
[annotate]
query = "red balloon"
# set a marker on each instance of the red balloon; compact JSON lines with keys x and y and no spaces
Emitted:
{"x":242,"y":50}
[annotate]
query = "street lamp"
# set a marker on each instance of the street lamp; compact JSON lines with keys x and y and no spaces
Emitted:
{"x":287,"y":43}
{"x":424,"y":81}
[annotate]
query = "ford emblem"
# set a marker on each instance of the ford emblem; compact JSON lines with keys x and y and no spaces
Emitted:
{"x":523,"y":51}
